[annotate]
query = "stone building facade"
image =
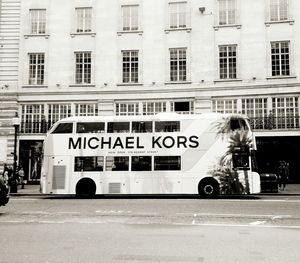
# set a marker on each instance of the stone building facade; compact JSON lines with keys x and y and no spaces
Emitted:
{"x":127,"y":57}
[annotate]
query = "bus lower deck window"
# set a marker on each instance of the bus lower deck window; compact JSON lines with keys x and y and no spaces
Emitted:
{"x":163,"y":163}
{"x":88,"y":163}
{"x":117,"y":163}
{"x":141,"y":163}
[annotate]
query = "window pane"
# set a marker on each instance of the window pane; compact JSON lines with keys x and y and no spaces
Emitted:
{"x":117,"y":127}
{"x":90,"y":163}
{"x":141,"y":163}
{"x":140,"y":127}
{"x":90,"y":127}
{"x":64,"y":128}
{"x":116,"y":163}
{"x":167,"y":126}
{"x":166,"y":163}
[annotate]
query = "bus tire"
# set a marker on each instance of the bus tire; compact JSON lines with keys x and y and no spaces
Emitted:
{"x":85,"y":188}
{"x":209,"y":188}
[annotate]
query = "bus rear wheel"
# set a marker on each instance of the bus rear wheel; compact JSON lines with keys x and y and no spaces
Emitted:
{"x":209,"y":188}
{"x":85,"y":188}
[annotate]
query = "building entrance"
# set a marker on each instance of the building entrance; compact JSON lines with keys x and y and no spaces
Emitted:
{"x":30,"y":158}
{"x":270,"y":150}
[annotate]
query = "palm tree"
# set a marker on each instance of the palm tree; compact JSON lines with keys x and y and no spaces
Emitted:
{"x":238,"y":139}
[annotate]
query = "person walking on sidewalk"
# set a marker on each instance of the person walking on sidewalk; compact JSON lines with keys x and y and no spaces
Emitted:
{"x":283,"y":174}
{"x":21,"y":177}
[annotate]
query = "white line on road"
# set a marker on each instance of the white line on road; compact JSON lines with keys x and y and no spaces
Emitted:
{"x":257,"y":223}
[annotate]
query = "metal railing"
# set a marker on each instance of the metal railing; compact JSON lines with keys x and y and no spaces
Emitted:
{"x":35,"y":127}
{"x":275,"y":123}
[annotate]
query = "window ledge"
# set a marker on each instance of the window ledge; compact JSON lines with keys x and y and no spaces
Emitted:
{"x":34,"y":86}
{"x":129,"y":84}
{"x":227,"y":80}
{"x":291,"y":22}
{"x":82,"y":85}
{"x":92,"y":34}
{"x":177,"y":82}
{"x":237,"y":26}
{"x":36,"y":35}
{"x":281,"y":77}
{"x":120,"y":33}
{"x":187,"y":29}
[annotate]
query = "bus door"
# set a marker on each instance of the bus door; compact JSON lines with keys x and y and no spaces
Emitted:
{"x":59,"y":174}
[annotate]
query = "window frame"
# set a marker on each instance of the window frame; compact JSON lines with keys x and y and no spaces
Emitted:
{"x":231,"y":68}
{"x":178,"y":72}
{"x":226,"y":10}
{"x":81,"y":77}
{"x":289,"y":68}
{"x":36,"y":71}
{"x":133,"y":63}
{"x":133,"y":20}
{"x":41,"y":21}
{"x":86,"y":21}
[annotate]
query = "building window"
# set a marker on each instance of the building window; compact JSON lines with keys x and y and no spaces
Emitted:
{"x":152,"y":108}
{"x":224,"y":106}
{"x":255,"y":107}
{"x":278,"y":10}
{"x":178,"y":64}
{"x":130,"y":17}
{"x":130,"y":66}
{"x":37,"y":21}
{"x":126,"y":109}
{"x":57,"y":112}
{"x":286,"y":112}
{"x":83,"y":20}
{"x":280,"y":56}
{"x":32,"y":118}
{"x":36,"y":68}
{"x":178,"y":15}
{"x":182,"y":107}
{"x":227,"y":12}
{"x":86,"y":109}
{"x":227,"y":62}
{"x":83,"y":67}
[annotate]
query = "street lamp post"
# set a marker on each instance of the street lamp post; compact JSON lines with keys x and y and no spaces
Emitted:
{"x":16,"y":123}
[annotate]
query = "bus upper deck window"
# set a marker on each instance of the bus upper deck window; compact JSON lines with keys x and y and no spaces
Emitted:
{"x":117,"y":127}
{"x":64,"y":128}
{"x":90,"y":127}
{"x":167,"y":126}
{"x":141,"y":126}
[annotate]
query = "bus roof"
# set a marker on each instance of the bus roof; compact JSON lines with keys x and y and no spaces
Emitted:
{"x":165,"y":116}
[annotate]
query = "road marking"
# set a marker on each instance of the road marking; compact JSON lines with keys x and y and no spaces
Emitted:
{"x":257,"y":223}
{"x":22,"y":199}
{"x":234,"y":215}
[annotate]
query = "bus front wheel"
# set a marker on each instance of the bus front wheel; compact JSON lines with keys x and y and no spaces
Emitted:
{"x":85,"y":188}
{"x":209,"y":188}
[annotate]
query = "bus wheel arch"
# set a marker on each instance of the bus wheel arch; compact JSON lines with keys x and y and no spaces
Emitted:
{"x":209,"y":187}
{"x":85,"y":188}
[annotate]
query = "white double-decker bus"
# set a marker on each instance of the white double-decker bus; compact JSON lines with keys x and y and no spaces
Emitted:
{"x":165,"y":153}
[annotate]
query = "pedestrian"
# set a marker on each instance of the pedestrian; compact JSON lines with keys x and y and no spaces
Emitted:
{"x":21,"y":177}
{"x":283,"y":174}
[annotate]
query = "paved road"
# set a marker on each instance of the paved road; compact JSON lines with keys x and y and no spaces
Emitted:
{"x":173,"y":229}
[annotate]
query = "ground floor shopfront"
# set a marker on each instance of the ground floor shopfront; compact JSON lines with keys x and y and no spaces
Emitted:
{"x":270,"y":150}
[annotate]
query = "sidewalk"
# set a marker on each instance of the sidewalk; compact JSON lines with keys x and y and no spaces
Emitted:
{"x":291,"y":189}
